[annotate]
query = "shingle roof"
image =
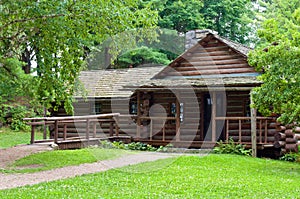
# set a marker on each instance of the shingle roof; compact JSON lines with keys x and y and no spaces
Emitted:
{"x":109,"y":83}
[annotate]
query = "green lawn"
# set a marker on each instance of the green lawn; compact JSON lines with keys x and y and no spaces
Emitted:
{"x":61,"y":158}
{"x":10,"y":138}
{"x":212,"y":176}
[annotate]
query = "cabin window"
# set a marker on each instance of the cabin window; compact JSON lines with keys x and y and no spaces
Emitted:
{"x":173,"y":111}
{"x":98,"y":108}
{"x":133,"y":108}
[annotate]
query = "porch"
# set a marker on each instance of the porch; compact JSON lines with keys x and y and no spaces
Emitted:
{"x":92,"y":128}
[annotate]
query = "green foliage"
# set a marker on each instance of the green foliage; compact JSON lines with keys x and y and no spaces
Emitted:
{"x":278,"y":59}
{"x":231,"y":148}
{"x":140,"y":56}
{"x":291,"y":157}
{"x":57,"y":35}
{"x":212,"y":176}
{"x":131,"y":146}
{"x":12,"y":115}
{"x":180,"y":15}
{"x":231,"y":19}
{"x":140,"y":146}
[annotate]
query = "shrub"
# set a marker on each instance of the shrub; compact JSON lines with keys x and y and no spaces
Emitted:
{"x":12,"y":116}
{"x":231,"y":148}
{"x":290,"y":157}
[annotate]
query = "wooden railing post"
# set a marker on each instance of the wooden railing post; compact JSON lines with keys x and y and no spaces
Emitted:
{"x":32,"y":133}
{"x":116,"y":118}
{"x":87,"y":131}
{"x":65,"y":131}
{"x":213,"y":118}
{"x":177,"y":120}
{"x":94,"y":129}
{"x":151,"y":129}
{"x":56,"y":131}
{"x":253,"y":130}
{"x":138,"y":119}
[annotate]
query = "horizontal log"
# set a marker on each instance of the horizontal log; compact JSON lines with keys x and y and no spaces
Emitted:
{"x":248,"y":139}
{"x":291,"y":148}
{"x":279,"y":144}
{"x":289,"y":133}
{"x":215,"y":71}
{"x":297,"y":136}
{"x":282,"y":128}
{"x":214,"y":58}
{"x":297,"y":129}
{"x":190,"y":66}
{"x":290,"y":140}
{"x":279,"y":136}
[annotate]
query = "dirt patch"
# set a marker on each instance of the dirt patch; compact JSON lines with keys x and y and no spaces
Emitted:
{"x":10,"y":155}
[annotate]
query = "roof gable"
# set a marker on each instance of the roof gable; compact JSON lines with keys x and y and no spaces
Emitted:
{"x":212,"y":55}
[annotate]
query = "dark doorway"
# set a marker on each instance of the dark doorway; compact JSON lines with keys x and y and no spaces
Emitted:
{"x":207,"y":101}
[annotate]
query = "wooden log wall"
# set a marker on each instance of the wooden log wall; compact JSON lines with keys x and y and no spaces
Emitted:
{"x":287,"y":138}
{"x":211,"y":57}
{"x":161,"y":130}
{"x":81,"y":107}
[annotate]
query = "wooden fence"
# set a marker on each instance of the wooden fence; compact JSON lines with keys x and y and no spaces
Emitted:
{"x":90,"y":122}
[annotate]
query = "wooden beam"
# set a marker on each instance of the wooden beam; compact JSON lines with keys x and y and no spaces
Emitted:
{"x":253,"y":129}
{"x":32,"y":134}
{"x":87,"y":131}
{"x":213,"y":117}
{"x":55,"y":131}
{"x":138,"y":126}
{"x":177,"y":119}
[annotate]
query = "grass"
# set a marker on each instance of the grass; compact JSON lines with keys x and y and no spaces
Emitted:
{"x":212,"y":176}
{"x":10,"y":138}
{"x":61,"y":158}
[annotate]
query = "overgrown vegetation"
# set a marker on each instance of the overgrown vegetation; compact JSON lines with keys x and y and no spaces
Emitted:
{"x":212,"y":176}
{"x":231,"y":147}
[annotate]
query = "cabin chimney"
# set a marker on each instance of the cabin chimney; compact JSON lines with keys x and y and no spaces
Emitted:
{"x":193,"y":36}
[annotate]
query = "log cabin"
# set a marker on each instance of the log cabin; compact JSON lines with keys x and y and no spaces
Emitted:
{"x":200,"y":98}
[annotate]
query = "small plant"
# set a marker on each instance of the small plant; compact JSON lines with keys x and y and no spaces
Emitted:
{"x":119,"y":145}
{"x":231,"y":148}
{"x":140,"y":146}
{"x":290,"y":157}
{"x":106,"y":144}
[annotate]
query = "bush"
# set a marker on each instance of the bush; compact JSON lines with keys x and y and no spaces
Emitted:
{"x":12,"y":116}
{"x":291,"y":157}
{"x":231,"y":148}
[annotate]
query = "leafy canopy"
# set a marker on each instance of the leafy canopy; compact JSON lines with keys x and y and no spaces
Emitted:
{"x":56,"y":36}
{"x":278,"y":58}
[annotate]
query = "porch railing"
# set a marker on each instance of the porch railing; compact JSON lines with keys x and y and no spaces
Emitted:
{"x":239,"y":128}
{"x":90,"y":122}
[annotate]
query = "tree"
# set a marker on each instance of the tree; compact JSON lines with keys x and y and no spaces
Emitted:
{"x":182,"y":15}
{"x":230,"y":18}
{"x":141,"y":56}
{"x":56,"y":35}
{"x":278,"y":58}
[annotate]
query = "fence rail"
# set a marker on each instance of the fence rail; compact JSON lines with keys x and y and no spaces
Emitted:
{"x":265,"y":129}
